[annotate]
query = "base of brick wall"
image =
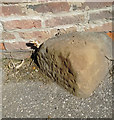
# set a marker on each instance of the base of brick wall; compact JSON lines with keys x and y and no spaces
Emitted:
{"x":20,"y":55}
{"x":19,"y":50}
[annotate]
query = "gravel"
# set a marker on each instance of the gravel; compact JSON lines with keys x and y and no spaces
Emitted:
{"x":27,"y":93}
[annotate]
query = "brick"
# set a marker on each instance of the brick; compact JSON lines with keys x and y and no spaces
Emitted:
{"x":37,"y":23}
{"x":111,"y":35}
{"x":14,"y":1}
{"x":2,"y":47}
{"x":22,"y":24}
{"x":15,"y":46}
{"x":7,"y":36}
{"x":26,"y":35}
{"x":104,"y":27}
{"x":12,"y":10}
{"x":95,"y":5}
{"x":101,"y":15}
{"x":0,"y":11}
{"x":35,"y":34}
{"x":53,"y":7}
{"x":64,"y":20}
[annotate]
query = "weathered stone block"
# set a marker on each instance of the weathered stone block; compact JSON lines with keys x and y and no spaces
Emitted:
{"x":76,"y":60}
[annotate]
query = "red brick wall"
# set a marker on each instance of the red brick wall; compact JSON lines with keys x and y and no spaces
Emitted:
{"x":22,"y":22}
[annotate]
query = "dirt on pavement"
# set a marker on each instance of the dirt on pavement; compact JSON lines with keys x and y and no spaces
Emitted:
{"x":29,"y":70}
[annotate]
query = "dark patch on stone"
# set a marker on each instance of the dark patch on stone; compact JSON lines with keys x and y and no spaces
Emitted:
{"x":74,"y":89}
{"x":46,"y":50}
{"x":69,"y":70}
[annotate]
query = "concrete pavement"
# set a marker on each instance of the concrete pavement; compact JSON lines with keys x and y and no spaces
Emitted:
{"x":33,"y":99}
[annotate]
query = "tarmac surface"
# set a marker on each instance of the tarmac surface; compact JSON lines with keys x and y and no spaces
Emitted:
{"x":35,"y":98}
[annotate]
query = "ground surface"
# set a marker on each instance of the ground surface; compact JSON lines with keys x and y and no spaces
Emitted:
{"x":29,"y":93}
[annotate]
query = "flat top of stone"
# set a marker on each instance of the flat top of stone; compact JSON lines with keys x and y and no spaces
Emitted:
{"x":83,"y":38}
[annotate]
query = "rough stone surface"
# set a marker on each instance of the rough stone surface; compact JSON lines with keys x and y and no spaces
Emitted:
{"x":76,"y":60}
